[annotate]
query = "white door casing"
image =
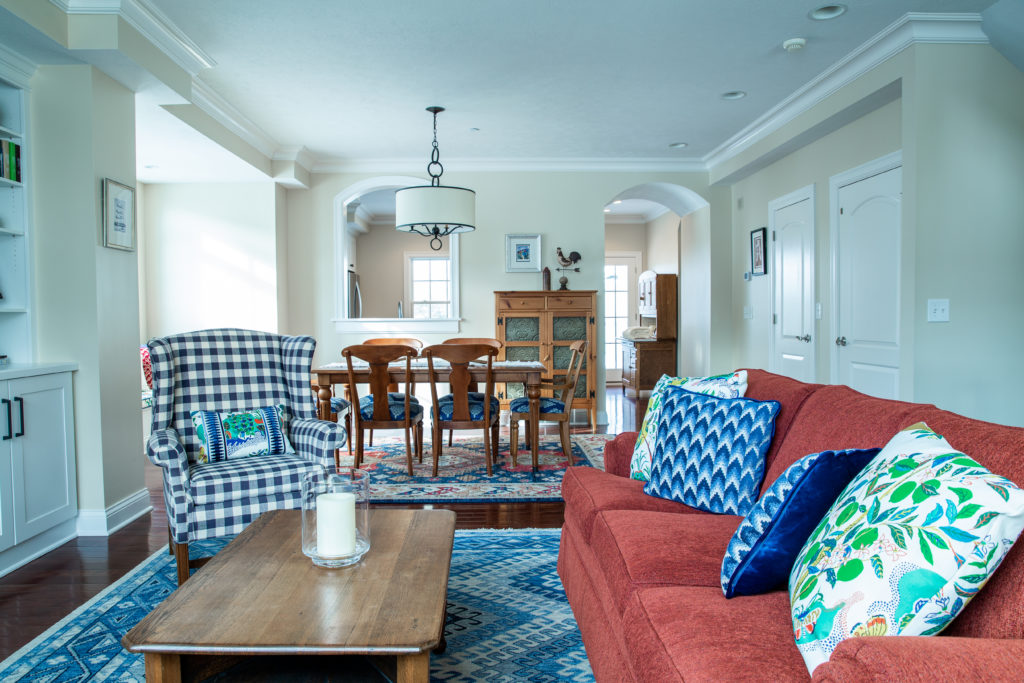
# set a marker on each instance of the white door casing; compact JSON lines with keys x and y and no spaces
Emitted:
{"x":866,"y":239}
{"x":791,"y":231}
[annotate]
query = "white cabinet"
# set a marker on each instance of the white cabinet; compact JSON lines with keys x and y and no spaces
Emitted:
{"x":37,"y":457}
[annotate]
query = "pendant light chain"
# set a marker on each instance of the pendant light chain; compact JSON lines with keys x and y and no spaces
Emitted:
{"x":435,"y":155}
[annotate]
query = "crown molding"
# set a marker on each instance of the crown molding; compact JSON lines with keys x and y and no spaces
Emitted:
{"x":231,"y":118}
{"x":514,"y":165}
{"x":300,"y":155}
{"x":153,"y":24}
{"x":910,"y":29}
{"x":15,"y":68}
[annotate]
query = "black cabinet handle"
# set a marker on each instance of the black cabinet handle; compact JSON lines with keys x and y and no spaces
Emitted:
{"x":21,"y":409}
{"x":10,"y":434}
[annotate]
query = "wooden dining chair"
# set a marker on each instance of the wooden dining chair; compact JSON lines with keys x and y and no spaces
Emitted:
{"x":556,"y":409}
{"x":458,"y":409}
{"x":393,"y":388}
{"x":474,"y":392}
{"x":381,"y":409}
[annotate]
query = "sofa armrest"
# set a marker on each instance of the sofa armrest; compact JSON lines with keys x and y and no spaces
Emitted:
{"x":618,"y":452}
{"x":920,"y":658}
{"x":317,"y":440}
{"x":165,"y":451}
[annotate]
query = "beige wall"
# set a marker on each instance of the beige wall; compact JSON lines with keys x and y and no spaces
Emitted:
{"x":380,"y":254}
{"x":212,"y":256}
{"x":626,"y":237}
{"x":87,"y":295}
{"x":868,"y":138}
{"x":662,"y":244}
{"x":694,"y":338}
{"x":566,"y":208}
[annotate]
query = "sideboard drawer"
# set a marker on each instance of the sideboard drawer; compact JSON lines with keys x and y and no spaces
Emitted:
{"x":511,"y":303}
{"x":568,"y":301}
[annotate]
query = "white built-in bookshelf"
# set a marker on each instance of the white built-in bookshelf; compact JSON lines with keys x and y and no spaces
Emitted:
{"x":15,"y":262}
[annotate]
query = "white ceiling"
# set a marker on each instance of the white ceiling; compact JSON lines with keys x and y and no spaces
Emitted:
{"x":577,"y":79}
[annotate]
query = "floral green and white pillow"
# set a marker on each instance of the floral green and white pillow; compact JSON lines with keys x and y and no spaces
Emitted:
{"x":730,"y":385}
{"x":906,"y":545}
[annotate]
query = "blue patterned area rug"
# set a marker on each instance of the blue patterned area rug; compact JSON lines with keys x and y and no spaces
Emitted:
{"x":508,"y":619}
{"x":462,"y":473}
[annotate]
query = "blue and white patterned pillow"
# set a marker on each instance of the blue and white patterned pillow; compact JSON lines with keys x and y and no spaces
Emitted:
{"x":709,"y":453}
{"x":446,"y":404}
{"x":767,"y":541}
{"x":224,"y":436}
{"x":396,"y":408}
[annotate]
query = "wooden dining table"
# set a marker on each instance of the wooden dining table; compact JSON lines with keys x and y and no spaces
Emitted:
{"x":526,"y":372}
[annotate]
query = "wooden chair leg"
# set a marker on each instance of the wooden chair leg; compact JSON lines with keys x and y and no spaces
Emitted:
{"x":408,"y":450}
{"x":181,"y":559}
{"x":494,"y":442}
{"x":170,"y":541}
{"x":563,"y":432}
{"x":513,"y":440}
{"x":348,"y":429}
{"x":487,"y":451}
{"x":359,"y":448}
{"x":436,"y":434}
{"x":371,"y":438}
{"x":419,"y":441}
{"x":450,"y":432}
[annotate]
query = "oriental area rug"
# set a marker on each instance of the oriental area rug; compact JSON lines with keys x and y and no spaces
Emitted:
{"x":462,"y":473}
{"x":507,"y":620}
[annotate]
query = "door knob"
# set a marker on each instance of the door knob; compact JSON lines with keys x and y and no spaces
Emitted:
{"x":840,"y":341}
{"x":805,"y":338}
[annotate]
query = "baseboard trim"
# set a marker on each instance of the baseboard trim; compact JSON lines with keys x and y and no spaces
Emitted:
{"x":36,"y":547}
{"x":106,"y":522}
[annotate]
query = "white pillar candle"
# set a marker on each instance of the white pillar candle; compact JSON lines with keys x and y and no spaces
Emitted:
{"x":335,"y":524}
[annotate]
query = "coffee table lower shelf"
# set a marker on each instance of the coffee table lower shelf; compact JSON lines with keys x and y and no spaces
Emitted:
{"x":261,"y":596}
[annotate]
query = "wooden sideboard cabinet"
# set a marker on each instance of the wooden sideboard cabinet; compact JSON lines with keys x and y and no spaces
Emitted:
{"x":644,"y":361}
{"x":540,"y":326}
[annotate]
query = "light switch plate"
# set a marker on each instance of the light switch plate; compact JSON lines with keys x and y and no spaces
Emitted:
{"x":938,"y":310}
{"x":817,"y":311}
{"x":748,"y":312}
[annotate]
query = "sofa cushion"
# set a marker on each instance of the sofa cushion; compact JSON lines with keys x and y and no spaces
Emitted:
{"x":909,"y":541}
{"x":838,"y":417}
{"x":768,"y":539}
{"x":729,"y":385}
{"x":588,"y":491}
{"x":710,"y":451}
{"x":636,"y":549}
{"x":690,"y":633}
{"x":998,"y":611}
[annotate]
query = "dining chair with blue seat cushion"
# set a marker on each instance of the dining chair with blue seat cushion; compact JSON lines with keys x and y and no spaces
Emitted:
{"x":230,"y":371}
{"x":554,"y":409}
{"x":456,"y":410}
{"x":381,"y":409}
{"x":474,"y":395}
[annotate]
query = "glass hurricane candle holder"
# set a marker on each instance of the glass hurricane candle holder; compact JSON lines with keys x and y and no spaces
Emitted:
{"x":336,"y":516}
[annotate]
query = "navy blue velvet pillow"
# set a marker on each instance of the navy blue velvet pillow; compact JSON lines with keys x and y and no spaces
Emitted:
{"x":764,"y":547}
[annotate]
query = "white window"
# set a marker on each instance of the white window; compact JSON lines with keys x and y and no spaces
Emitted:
{"x":430,"y":287}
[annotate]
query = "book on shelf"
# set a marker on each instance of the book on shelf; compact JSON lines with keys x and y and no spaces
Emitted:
{"x":10,"y":160}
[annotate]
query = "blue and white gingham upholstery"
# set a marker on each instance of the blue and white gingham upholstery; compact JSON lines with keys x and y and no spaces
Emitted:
{"x":446,"y":405}
{"x":229,"y":370}
{"x":547,"y":405}
{"x":395,"y":406}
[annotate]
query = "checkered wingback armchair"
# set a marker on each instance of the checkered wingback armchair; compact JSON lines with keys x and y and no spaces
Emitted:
{"x":229,"y":370}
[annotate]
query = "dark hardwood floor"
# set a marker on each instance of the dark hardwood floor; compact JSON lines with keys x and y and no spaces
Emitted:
{"x":38,"y":595}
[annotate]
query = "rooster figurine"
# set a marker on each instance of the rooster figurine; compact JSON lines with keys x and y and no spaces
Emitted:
{"x":567,"y":263}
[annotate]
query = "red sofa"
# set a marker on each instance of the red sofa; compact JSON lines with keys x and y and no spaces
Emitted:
{"x":642,"y":573}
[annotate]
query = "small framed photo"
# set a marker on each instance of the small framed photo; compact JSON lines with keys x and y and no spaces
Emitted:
{"x":759,"y":251}
{"x":522,"y":253}
{"x":118,"y":215}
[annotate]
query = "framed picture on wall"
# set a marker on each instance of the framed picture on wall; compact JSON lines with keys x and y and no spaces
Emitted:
{"x":522,"y":253}
{"x":759,"y":251}
{"x":118,"y":215}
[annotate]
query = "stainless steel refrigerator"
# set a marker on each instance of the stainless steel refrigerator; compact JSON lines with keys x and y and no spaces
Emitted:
{"x":355,"y":296}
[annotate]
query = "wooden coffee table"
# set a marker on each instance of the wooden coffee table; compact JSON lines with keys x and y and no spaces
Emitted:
{"x":262,"y":596}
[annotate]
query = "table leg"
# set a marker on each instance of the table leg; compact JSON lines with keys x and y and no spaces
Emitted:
{"x":413,"y":668}
{"x":533,"y":393}
{"x":163,"y":668}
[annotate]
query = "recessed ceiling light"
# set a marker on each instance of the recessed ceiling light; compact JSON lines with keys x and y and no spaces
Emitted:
{"x":826,"y":12}
{"x":607,"y":210}
{"x":617,"y":201}
{"x":734,"y":95}
{"x":794,"y":44}
{"x":678,"y":145}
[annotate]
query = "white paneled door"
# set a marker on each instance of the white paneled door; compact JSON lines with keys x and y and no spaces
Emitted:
{"x":791,"y":229}
{"x":867,"y":258}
